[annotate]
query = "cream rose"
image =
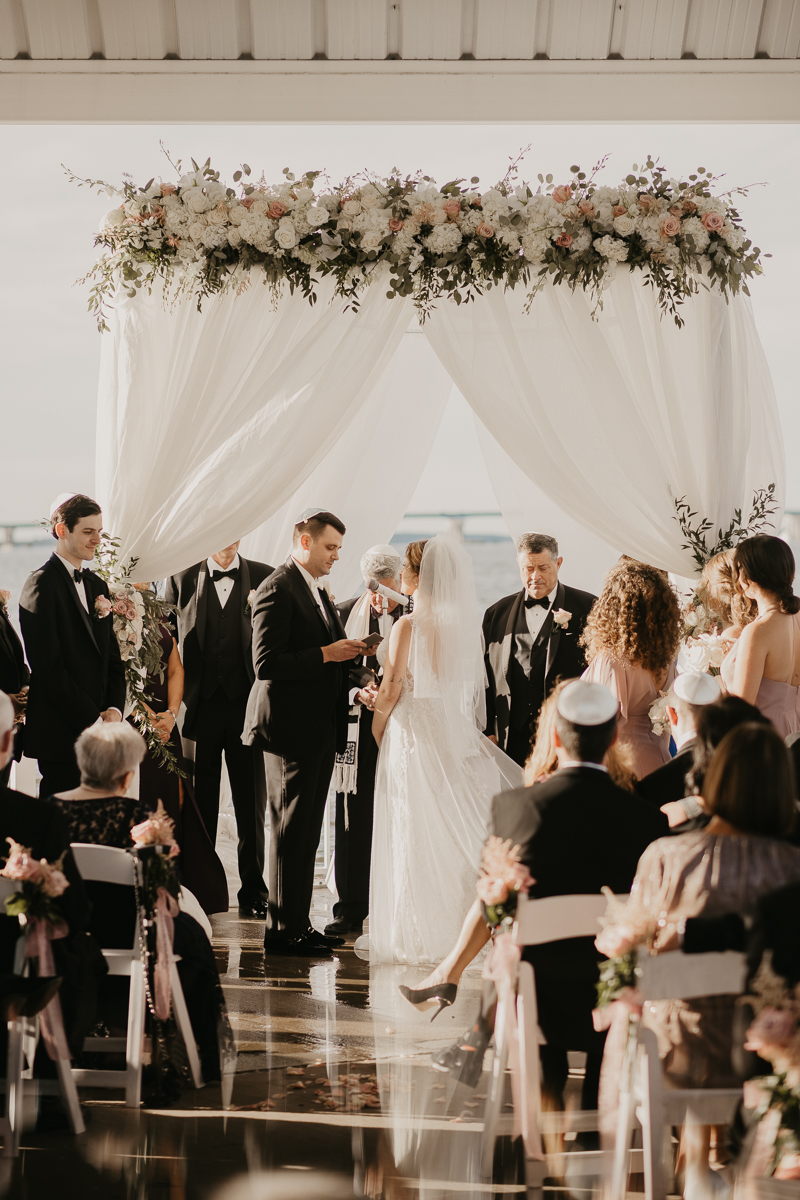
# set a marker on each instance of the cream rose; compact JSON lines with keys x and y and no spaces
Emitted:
{"x":260,"y":206}
{"x":371,"y":241}
{"x":624,"y":225}
{"x":286,"y":236}
{"x":316,"y":216}
{"x":237,"y":214}
{"x":351,"y":208}
{"x":586,"y":208}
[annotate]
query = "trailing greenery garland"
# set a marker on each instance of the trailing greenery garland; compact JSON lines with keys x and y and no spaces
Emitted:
{"x":202,"y":237}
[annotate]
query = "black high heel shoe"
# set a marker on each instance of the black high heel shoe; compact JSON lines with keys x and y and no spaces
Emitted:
{"x":441,"y":994}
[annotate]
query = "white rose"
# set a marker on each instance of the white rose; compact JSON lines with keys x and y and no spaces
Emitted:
{"x":237,"y":214}
{"x":260,"y":207}
{"x":371,"y":241}
{"x":115,"y":217}
{"x":304,"y":194}
{"x":370,"y":196}
{"x":196,"y":230}
{"x":604,"y":213}
{"x":234,"y":238}
{"x":624,"y":225}
{"x":196,"y":201}
{"x":286,"y":236}
{"x":351,"y":208}
{"x":317,"y":216}
{"x":218,"y":216}
{"x":215,"y":192}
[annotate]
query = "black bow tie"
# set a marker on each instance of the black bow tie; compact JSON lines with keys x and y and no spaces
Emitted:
{"x":232,"y":574}
{"x":542,"y":602}
{"x":79,"y":576}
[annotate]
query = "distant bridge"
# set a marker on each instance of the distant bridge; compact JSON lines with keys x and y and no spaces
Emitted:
{"x":21,"y":533}
{"x":454,"y":520}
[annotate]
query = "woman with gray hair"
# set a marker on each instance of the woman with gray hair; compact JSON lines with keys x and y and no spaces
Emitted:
{"x":100,"y":809}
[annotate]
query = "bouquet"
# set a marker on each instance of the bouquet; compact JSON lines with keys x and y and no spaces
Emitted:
{"x":157,"y":834}
{"x":623,"y":930}
{"x":703,"y":653}
{"x":658,"y":715}
{"x":42,"y":882}
{"x":502,"y":878}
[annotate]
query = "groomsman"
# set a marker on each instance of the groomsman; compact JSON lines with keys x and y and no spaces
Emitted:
{"x":213,"y":599}
{"x":14,"y":679}
{"x":297,"y":714}
{"x":354,"y":773}
{"x":532,"y":641}
{"x":77,"y":675}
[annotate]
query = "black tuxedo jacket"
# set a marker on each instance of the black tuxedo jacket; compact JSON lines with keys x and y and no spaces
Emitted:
{"x":577,"y":832}
{"x":14,"y":673}
{"x":298,"y":703}
{"x":76,"y":669}
{"x":188,"y":591}
{"x":565,"y":657}
{"x":668,"y":783}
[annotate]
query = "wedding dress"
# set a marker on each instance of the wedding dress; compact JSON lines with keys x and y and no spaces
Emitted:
{"x":436,"y":772}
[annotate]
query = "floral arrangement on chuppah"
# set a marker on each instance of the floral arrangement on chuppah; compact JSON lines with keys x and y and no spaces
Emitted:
{"x":137,"y":613}
{"x":203,"y":237}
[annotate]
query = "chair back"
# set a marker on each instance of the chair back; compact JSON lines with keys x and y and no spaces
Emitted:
{"x":103,"y":864}
{"x":8,"y":887}
{"x":557,"y":917}
{"x":686,"y":976}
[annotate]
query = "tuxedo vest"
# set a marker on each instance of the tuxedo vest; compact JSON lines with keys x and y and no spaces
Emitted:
{"x":223,"y":656}
{"x":526,"y":672}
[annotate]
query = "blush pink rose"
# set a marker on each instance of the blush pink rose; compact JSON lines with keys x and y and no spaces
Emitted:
{"x":521,"y":879}
{"x":167,"y":189}
{"x":492,"y":891}
{"x":485,"y":230}
{"x":670,"y":226}
{"x":247,"y":201}
{"x":713,"y":221}
{"x":772,"y":1026}
{"x":689,"y":206}
{"x":564,"y":239}
{"x":452,"y":208}
{"x":120,"y":607}
{"x":586,"y":208}
{"x":103,"y":606}
{"x":562,"y":193}
{"x":676,"y":210}
{"x":620,"y":210}
{"x":20,"y":864}
{"x":615,"y":940}
{"x":276,"y":210}
{"x":645,"y":202}
{"x":395,"y":224}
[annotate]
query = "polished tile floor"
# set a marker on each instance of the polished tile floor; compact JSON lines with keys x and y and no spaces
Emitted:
{"x":332,"y":1075}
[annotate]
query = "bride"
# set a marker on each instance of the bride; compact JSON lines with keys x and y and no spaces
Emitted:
{"x":436,"y":773}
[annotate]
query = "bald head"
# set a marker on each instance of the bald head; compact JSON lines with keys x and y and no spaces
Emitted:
{"x":6,"y":729}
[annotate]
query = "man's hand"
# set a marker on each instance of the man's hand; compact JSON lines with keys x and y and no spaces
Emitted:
{"x":367,"y":696}
{"x":163,"y":726}
{"x":342,"y":651}
{"x":111,"y":714}
{"x":20,"y":702}
{"x":675,"y":813}
{"x":667,"y":938}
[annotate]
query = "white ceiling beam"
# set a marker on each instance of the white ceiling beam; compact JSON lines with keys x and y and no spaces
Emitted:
{"x":580,"y":29}
{"x":356,"y":29}
{"x":57,"y":29}
{"x":208,"y":29}
{"x":12,"y":29}
{"x":283,"y":29}
{"x":646,"y":29}
{"x":430,"y":29}
{"x":780,"y":29}
{"x":758,"y":90}
{"x":506,"y":29}
{"x":132,"y":31}
{"x":723,"y":28}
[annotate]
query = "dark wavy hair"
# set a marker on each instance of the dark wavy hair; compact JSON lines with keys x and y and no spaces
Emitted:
{"x":714,"y":722}
{"x":768,"y":562}
{"x":750,"y":781}
{"x":636,"y":618}
{"x":72,"y":511}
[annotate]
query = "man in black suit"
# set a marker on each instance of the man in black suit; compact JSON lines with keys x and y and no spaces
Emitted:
{"x":370,"y":614}
{"x":297,"y":714}
{"x":14,"y":679}
{"x":532,"y":640}
{"x":215,"y":631}
{"x":77,"y":675}
{"x":666,"y":786}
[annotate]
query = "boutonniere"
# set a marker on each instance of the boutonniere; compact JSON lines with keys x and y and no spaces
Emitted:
{"x":562,"y":618}
{"x":251,"y":595}
{"x":102,"y":608}
{"x":5,"y":597}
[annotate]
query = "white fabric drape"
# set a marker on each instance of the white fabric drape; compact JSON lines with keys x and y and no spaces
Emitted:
{"x":369,"y":475}
{"x":615,"y":418}
{"x":209,"y":421}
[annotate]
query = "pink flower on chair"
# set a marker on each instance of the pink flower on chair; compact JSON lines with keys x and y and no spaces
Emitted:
{"x":20,"y":864}
{"x":157,"y":830}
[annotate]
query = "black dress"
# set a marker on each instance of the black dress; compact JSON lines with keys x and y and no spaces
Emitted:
{"x":199,"y":867}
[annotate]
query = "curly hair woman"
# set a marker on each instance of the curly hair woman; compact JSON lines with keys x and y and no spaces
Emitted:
{"x":631,"y":639}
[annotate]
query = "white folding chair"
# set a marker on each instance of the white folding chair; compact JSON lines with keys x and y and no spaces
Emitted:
{"x":19,"y":1083}
{"x":108,"y":864}
{"x":643,"y":1098}
{"x":538,"y":921}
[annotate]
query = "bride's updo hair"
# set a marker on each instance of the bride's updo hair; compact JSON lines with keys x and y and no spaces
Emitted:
{"x":636,"y":618}
{"x":769,"y":563}
{"x":414,"y":552}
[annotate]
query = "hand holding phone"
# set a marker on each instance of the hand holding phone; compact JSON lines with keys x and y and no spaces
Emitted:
{"x":372,"y":640}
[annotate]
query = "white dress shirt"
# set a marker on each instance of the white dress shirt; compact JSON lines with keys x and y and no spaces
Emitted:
{"x":314,"y":585}
{"x":537,"y":614}
{"x":579,"y":763}
{"x":80,"y":587}
{"x":224,"y":586}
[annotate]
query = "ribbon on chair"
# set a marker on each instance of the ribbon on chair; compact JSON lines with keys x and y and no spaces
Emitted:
{"x":501,"y":967}
{"x":37,"y":945}
{"x":166,"y":911}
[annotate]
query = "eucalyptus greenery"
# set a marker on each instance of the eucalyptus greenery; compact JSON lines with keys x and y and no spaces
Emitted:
{"x":696,"y":540}
{"x":616,"y":976}
{"x":779,"y":1095}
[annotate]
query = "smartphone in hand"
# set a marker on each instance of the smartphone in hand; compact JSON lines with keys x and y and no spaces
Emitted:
{"x":372,"y":640}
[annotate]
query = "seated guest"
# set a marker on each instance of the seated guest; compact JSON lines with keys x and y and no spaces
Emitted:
{"x":101,"y":812}
{"x":631,"y":640}
{"x":763,"y":665}
{"x":577,"y":833}
{"x":688,"y":695}
{"x":712,"y":724}
{"x":543,"y":760}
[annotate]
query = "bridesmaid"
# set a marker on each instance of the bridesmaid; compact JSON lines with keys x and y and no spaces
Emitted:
{"x":631,"y":639}
{"x":763,"y":666}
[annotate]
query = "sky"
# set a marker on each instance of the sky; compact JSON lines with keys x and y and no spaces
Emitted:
{"x":50,"y":348}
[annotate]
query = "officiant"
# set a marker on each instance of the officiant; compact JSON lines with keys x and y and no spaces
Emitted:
{"x":532,"y":640}
{"x":354,"y":772}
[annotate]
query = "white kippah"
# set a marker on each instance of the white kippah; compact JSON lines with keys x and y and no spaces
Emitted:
{"x":61,"y":499}
{"x":308,"y":513}
{"x":695,"y":687}
{"x":585,"y":703}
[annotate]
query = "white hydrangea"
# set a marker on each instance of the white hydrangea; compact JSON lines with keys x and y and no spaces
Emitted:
{"x":215,"y":192}
{"x":494,"y":205}
{"x":732,"y":235}
{"x":611,"y":248}
{"x":581,"y":241}
{"x":693,"y":227}
{"x":670,"y":251}
{"x":706,"y":204}
{"x":214,"y":236}
{"x":650,"y":228}
{"x":604,"y":213}
{"x":507,"y":236}
{"x":114,"y":218}
{"x":329,"y":201}
{"x":535,"y":243}
{"x":259,"y":231}
{"x":176,"y":221}
{"x":470,"y":221}
{"x":444,"y":239}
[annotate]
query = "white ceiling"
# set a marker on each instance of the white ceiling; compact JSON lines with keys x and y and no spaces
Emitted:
{"x":409,"y":30}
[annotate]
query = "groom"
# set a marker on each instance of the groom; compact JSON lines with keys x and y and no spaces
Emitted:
{"x":297,"y":714}
{"x":532,"y":641}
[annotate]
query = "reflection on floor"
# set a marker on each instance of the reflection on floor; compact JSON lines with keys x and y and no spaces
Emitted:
{"x":333,"y":1075}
